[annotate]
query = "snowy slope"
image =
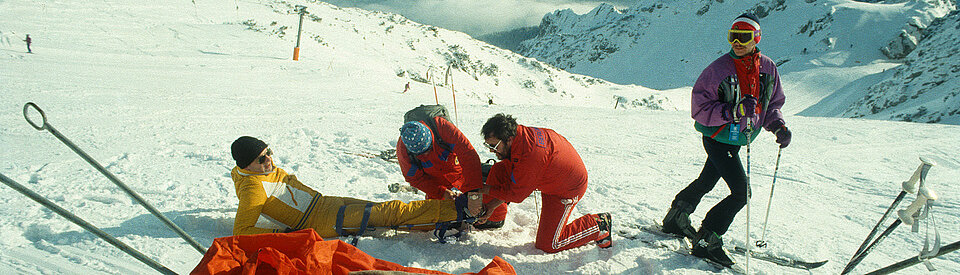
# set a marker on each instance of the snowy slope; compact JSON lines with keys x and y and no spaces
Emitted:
{"x":821,"y":47}
{"x":156,"y":93}
{"x":923,"y":89}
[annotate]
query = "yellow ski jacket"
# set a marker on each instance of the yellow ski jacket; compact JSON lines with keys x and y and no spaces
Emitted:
{"x":275,"y":202}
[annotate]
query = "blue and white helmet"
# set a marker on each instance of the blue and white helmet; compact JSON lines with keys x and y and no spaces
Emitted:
{"x":416,"y":136}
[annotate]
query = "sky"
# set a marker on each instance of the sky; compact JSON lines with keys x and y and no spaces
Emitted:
{"x":477,"y":17}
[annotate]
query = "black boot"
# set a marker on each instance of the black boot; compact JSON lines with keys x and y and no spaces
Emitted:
{"x":677,"y":221}
{"x":488,"y":225}
{"x":605,"y":222}
{"x":709,"y":246}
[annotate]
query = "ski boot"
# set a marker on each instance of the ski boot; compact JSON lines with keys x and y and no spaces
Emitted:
{"x":605,"y":222}
{"x":677,"y":221}
{"x":709,"y":246}
{"x":488,"y":225}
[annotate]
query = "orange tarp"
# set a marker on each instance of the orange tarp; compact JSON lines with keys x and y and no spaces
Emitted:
{"x":303,"y":252}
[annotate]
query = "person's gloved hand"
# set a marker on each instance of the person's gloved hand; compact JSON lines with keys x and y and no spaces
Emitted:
{"x":779,"y":129}
{"x":745,"y":113}
{"x":448,"y":194}
{"x":783,"y":136}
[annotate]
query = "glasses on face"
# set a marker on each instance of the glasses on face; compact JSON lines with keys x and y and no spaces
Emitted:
{"x":742,"y":37}
{"x":492,"y":147}
{"x":263,"y":158}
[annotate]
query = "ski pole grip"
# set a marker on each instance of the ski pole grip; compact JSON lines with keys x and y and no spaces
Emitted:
{"x":910,"y":186}
{"x":43,"y":116}
{"x":924,"y":194}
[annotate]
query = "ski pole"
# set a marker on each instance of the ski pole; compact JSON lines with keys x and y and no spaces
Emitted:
{"x":95,"y":164}
{"x":762,"y":242}
{"x":924,"y":196}
{"x":914,"y":260}
{"x":435,"y":97}
{"x":449,"y":77}
{"x":855,"y":261}
{"x":85,"y":225}
{"x":749,"y":133}
{"x":909,"y":186}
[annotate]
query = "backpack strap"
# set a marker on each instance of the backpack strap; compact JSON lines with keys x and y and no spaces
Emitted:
{"x":432,"y":123}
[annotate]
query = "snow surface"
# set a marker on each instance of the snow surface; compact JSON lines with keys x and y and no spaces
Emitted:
{"x":156,"y":92}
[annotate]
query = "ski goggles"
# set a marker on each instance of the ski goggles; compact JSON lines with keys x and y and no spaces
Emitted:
{"x":263,"y":158}
{"x":743,"y":37}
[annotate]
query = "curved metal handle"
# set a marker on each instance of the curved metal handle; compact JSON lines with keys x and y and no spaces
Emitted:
{"x":42,"y":115}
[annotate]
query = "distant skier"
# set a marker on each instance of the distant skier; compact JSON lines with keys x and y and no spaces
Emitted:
{"x":28,"y":40}
{"x":732,"y":98}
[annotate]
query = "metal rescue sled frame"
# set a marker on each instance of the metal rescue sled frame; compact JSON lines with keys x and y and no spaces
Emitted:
{"x":85,"y":225}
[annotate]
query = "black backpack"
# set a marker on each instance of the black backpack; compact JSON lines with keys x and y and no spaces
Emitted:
{"x":426,"y":113}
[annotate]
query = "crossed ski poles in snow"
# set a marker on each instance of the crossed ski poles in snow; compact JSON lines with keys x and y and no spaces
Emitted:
{"x":910,"y":216}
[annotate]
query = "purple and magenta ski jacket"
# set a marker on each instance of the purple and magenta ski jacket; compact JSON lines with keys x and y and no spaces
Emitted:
{"x":717,"y":92}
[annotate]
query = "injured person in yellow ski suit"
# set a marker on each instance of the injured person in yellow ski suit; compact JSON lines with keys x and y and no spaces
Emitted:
{"x":272,"y":201}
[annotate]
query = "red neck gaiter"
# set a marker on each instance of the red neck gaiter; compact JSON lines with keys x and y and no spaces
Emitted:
{"x":748,"y":72}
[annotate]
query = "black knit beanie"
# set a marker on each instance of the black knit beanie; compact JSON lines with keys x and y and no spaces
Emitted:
{"x":246,"y":149}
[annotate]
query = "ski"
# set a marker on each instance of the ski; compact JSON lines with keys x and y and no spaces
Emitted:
{"x":781,"y":261}
{"x":387,"y":155}
{"x":682,"y":246}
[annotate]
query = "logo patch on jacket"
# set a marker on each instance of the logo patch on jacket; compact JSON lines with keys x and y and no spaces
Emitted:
{"x":540,"y":137}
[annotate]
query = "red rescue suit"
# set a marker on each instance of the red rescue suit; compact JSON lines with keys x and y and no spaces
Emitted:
{"x":439,"y":169}
{"x":541,"y":159}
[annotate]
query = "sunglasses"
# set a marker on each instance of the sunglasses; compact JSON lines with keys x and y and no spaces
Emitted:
{"x":492,"y":147}
{"x":743,"y":37}
{"x":263,"y":158}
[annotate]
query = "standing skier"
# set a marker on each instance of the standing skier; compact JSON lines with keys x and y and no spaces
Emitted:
{"x":732,"y":98}
{"x":541,"y":159}
{"x":28,"y":40}
{"x":437,"y":169}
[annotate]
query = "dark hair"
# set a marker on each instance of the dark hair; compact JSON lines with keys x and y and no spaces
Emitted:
{"x":500,"y":126}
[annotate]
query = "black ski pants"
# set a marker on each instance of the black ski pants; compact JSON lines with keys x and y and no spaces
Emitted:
{"x":723,"y":161}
